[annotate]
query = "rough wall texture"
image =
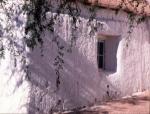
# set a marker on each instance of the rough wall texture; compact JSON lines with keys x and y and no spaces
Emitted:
{"x":79,"y":83}
{"x":14,"y":89}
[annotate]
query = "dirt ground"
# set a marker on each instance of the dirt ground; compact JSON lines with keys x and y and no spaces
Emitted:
{"x":138,"y":103}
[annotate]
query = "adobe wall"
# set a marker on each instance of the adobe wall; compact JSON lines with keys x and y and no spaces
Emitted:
{"x":14,"y":88}
{"x":80,"y":83}
{"x":63,"y":73}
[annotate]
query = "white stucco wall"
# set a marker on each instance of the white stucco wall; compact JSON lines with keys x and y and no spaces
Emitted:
{"x":14,"y":88}
{"x":81,"y":83}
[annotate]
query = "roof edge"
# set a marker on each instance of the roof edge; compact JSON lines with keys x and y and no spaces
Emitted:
{"x":137,"y":7}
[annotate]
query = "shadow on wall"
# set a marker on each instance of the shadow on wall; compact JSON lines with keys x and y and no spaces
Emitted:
{"x":62,"y":80}
{"x":79,"y":85}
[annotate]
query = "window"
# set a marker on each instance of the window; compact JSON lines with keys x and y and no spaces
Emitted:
{"x":100,"y":55}
{"x":106,"y":54}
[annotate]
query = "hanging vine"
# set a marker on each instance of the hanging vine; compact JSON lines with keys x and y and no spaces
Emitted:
{"x":36,"y":11}
{"x":34,"y":26}
{"x":37,"y":23}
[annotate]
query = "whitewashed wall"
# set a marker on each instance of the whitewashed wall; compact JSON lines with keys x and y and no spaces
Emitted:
{"x":14,"y":88}
{"x":81,"y":83}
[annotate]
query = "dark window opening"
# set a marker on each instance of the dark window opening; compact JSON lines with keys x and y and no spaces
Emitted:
{"x":107,"y":54}
{"x":100,"y":55}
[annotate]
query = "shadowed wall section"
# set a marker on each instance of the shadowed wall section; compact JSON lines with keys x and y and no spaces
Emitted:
{"x":80,"y":83}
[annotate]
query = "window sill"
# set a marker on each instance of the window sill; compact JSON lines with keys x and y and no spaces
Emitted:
{"x":107,"y":72}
